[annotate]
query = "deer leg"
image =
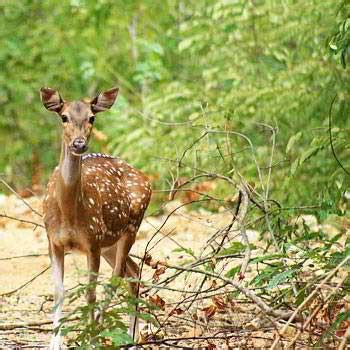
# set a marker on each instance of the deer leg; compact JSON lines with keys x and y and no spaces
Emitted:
{"x":109,"y":255}
{"x":57,"y":263}
{"x":132,"y":270}
{"x":93,"y":261}
{"x":116,"y":253}
{"x":125,"y":265}
{"x":122,"y":250}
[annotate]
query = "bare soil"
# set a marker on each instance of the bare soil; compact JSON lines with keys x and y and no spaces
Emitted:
{"x":23,"y":256}
{"x":27,"y":302}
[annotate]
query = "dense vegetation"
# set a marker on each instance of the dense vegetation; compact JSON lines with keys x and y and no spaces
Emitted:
{"x":183,"y":67}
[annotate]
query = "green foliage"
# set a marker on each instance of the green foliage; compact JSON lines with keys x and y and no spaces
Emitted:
{"x":340,"y":41}
{"x":235,"y":248}
{"x":110,"y":330}
{"x":188,"y":251}
{"x":184,"y":68}
{"x":118,"y":337}
{"x":280,"y":278}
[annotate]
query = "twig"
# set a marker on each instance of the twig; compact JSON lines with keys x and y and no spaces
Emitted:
{"x":10,"y":326}
{"x":166,"y":235}
{"x":226,"y":132}
{"x":194,"y":264}
{"x":248,"y":293}
{"x":266,"y":196}
{"x":159,"y":230}
{"x":22,"y":220}
{"x":190,"y":122}
{"x":331,"y":136}
{"x":166,"y":340}
{"x":240,"y":220}
{"x":25,"y":284}
{"x":23,"y":256}
{"x":316,"y":311}
{"x":19,"y":197}
{"x":300,"y":307}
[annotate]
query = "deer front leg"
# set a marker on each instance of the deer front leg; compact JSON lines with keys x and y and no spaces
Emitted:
{"x":93,"y":260}
{"x":57,"y":263}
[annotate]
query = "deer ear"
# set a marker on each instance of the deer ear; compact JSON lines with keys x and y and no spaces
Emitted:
{"x":104,"y":100}
{"x":51,"y":99}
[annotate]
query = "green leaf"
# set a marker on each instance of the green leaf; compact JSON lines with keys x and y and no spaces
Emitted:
{"x":232,"y":272}
{"x":267,"y":257}
{"x":118,"y":337}
{"x":293,"y":139}
{"x":280,"y":278}
{"x":294,"y":167}
{"x":235,"y":248}
{"x":300,"y":297}
{"x":188,"y":251}
{"x":186,"y":43}
{"x":308,"y":153}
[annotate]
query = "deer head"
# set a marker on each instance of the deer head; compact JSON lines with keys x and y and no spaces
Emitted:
{"x":77,"y":116}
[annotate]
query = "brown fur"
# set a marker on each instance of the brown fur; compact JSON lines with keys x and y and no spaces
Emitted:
{"x":110,"y":198}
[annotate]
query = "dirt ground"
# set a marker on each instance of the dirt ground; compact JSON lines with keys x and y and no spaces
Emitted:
{"x":23,"y":257}
{"x":26,"y":287}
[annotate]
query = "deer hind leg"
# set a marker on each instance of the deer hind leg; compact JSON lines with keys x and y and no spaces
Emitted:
{"x":93,"y":261}
{"x":57,"y":263}
{"x":130,"y":269}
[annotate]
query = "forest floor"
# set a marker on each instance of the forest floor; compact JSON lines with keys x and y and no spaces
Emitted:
{"x":23,"y":256}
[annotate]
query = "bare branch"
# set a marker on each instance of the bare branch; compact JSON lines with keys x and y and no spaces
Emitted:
{"x":19,"y":197}
{"x":22,"y":220}
{"x":25,"y":284}
{"x":11,"y":326}
{"x":329,"y":275}
{"x":23,"y":256}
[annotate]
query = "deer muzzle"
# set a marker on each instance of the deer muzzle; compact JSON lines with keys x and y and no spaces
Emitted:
{"x":79,"y":145}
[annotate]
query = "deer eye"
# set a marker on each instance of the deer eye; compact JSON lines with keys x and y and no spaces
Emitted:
{"x":64,"y":119}
{"x":91,"y":120}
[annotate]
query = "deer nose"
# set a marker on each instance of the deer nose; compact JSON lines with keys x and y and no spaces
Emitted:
{"x":79,"y":145}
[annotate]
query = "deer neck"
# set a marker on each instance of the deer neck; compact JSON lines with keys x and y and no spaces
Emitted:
{"x":69,"y":186}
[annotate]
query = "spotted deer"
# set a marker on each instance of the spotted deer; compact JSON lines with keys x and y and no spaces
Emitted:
{"x":94,"y":203}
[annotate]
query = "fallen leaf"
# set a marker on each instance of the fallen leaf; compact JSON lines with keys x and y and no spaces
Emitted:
{"x":157,"y":300}
{"x":158,"y":272}
{"x":176,"y":311}
{"x":210,"y":311}
{"x":147,"y":259}
{"x":219,"y":302}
